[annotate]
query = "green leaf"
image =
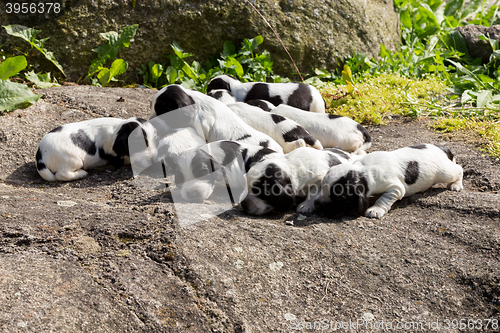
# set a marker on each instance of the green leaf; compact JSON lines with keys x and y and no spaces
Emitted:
{"x":118,"y":67}
{"x":406,"y":18}
{"x":235,"y":65}
{"x":347,"y":74}
{"x":179,"y":51}
{"x":452,"y":6}
{"x":13,"y":95}
{"x":29,"y":35}
{"x":171,"y":74}
{"x":255,"y":42}
{"x":156,"y":71}
{"x":484,"y":97}
{"x":104,"y":76}
{"x":41,"y":80}
{"x":12,"y":66}
{"x":228,"y":50}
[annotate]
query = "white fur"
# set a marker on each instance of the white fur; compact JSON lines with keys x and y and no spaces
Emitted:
{"x":176,"y":142}
{"x":341,"y":132}
{"x":65,"y":161}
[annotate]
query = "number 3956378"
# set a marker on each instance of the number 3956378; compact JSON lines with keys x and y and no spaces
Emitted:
{"x":32,"y":8}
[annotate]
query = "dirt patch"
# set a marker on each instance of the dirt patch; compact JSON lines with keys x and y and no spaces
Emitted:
{"x":105,"y":255}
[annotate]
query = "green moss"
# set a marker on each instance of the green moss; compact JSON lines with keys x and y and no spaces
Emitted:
{"x":488,"y":130}
{"x":381,"y":97}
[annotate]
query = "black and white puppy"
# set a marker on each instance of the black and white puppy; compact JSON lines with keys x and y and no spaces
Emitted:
{"x":331,"y":130}
{"x":276,"y":183}
{"x":176,"y":107}
{"x":68,"y":150}
{"x":394,"y":174}
{"x":299,"y":95}
{"x":287,"y":133}
{"x":198,"y":170}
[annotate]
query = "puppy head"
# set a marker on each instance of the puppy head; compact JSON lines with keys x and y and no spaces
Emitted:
{"x":263,"y":104}
{"x":223,"y":95}
{"x":270,"y":189}
{"x":173,"y":98}
{"x":196,"y":174}
{"x":222,"y":82}
{"x":344,"y":191}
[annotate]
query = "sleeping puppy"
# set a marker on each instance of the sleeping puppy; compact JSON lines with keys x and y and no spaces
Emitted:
{"x":68,"y":150}
{"x":276,"y":183}
{"x":287,"y":133}
{"x":395,"y":174}
{"x":331,"y":130}
{"x":299,"y":95}
{"x":212,"y":120}
{"x":198,"y":170}
{"x":175,"y":142}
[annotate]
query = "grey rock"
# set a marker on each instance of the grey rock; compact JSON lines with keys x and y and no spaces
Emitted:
{"x":315,"y":32}
{"x":479,"y":48}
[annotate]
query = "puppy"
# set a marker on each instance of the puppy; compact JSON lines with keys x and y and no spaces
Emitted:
{"x":68,"y":150}
{"x":177,"y":141}
{"x":175,"y":106}
{"x":395,"y":174}
{"x":299,"y":95}
{"x":276,"y":183}
{"x":199,"y":169}
{"x":331,"y":130}
{"x":287,"y":133}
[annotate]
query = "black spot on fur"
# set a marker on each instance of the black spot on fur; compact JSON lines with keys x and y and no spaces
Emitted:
{"x":179,"y":177}
{"x":422,"y":146}
{"x":346,"y":195}
{"x":246,"y":136}
{"x":338,"y":152}
{"x":231,"y":151}
{"x":277,"y":118}
{"x":39,"y":161}
{"x":257,"y":157}
{"x":411,"y":172}
{"x":301,"y":98}
{"x":260,"y":103}
{"x":57,"y":129}
{"x":218,"y":83}
{"x":261,"y":91}
{"x":217,"y":95}
{"x":275,"y":188}
{"x":120,"y":147}
{"x":299,"y":133}
{"x":447,"y":151}
{"x":264,"y":144}
{"x":173,"y":98}
{"x":82,"y":141}
{"x":115,"y":161}
{"x":334,"y":116}
{"x":366,"y":135}
{"x":333,"y":160}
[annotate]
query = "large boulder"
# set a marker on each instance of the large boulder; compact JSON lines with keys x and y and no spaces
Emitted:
{"x":479,"y":48}
{"x":315,"y":32}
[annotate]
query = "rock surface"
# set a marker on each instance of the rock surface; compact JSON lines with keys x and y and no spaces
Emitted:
{"x":105,"y":255}
{"x":315,"y":32}
{"x":479,"y":48}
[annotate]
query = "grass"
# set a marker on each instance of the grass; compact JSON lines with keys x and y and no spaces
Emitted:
{"x":382,"y":97}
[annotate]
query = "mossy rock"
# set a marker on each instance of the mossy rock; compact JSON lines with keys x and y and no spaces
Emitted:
{"x":315,"y":32}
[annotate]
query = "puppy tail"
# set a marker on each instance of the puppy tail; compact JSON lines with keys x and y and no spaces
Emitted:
{"x":317,"y":145}
{"x":42,"y":168}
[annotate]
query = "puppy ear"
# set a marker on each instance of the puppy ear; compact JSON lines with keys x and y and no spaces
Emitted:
{"x":173,"y":98}
{"x":120,"y":147}
{"x":285,"y":198}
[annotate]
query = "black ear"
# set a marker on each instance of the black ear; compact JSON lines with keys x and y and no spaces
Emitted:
{"x":173,"y":98}
{"x":218,"y":83}
{"x":362,"y":204}
{"x":120,"y":147}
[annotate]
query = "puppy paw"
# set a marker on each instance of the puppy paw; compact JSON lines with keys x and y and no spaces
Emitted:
{"x":375,"y":212}
{"x":306,"y":207}
{"x":457,"y":186}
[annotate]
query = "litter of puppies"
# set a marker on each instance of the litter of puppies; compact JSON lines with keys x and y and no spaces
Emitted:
{"x":272,"y":146}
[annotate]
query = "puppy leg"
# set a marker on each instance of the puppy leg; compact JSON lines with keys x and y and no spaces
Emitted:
{"x":70,"y":175}
{"x":453,"y":177}
{"x":307,"y":206}
{"x":385,"y":202}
